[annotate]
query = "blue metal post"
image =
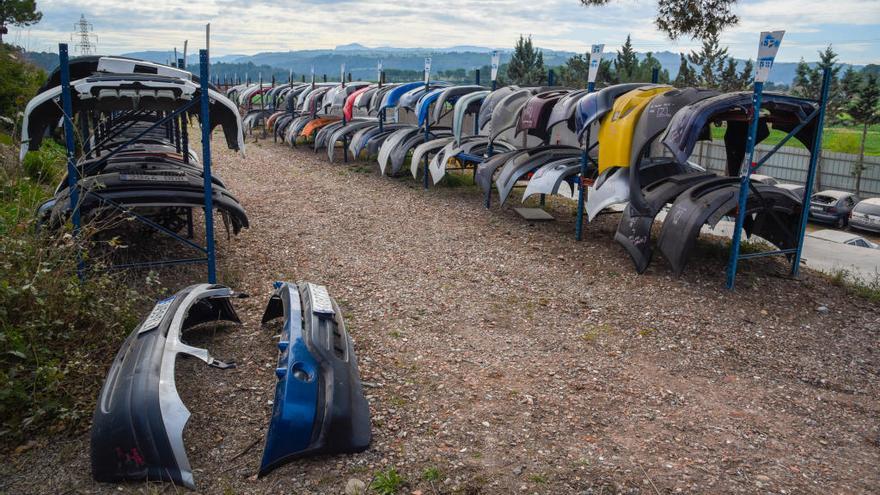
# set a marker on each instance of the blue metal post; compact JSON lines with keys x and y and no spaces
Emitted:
{"x":427,"y":136}
{"x":582,"y":189}
{"x":72,"y":172}
{"x":476,"y":114}
{"x":745,"y":176}
{"x":811,"y":172}
{"x":655,"y":75}
{"x":206,"y":161}
{"x":551,"y":78}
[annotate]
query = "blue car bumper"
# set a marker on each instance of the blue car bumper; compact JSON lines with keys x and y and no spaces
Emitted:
{"x":319,"y":403}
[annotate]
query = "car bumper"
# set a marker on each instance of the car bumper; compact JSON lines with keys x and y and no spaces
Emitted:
{"x":824,"y":217}
{"x":864,"y":224}
{"x":137,"y":428}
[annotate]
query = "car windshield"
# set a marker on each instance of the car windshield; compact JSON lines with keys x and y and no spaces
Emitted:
{"x":867,"y":209}
{"x":827,"y":200}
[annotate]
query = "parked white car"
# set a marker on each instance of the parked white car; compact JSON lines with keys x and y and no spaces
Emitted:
{"x":798,"y":189}
{"x":866,"y":215}
{"x":842,"y":237}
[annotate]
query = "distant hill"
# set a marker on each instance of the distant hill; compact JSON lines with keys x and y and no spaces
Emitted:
{"x":361,"y":60}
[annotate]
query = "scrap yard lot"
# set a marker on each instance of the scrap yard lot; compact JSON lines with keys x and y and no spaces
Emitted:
{"x":502,"y":356}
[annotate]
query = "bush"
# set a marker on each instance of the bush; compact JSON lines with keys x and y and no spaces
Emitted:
{"x":56,"y":334}
{"x":47,"y":164}
{"x":19,"y":80}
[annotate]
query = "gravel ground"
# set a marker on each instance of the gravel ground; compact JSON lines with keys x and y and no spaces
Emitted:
{"x":512,"y":359}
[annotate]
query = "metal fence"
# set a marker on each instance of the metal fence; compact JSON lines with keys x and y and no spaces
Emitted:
{"x":789,"y":164}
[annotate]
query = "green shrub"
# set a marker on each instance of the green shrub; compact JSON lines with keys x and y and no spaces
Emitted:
{"x":19,"y":80}
{"x":47,"y":164}
{"x":56,"y":334}
{"x":387,"y":482}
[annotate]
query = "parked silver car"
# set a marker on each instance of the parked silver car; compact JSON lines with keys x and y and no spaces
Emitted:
{"x":866,"y":215}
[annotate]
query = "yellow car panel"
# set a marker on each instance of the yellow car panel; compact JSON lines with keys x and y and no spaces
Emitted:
{"x":617,"y":128}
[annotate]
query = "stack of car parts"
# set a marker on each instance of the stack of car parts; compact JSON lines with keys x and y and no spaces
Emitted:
{"x":125,"y":164}
{"x":641,"y":138}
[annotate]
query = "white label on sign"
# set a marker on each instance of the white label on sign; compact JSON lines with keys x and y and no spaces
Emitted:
{"x":496,"y":59}
{"x":379,"y":71}
{"x":321,"y":302}
{"x":595,"y":59}
{"x":427,"y":69}
{"x":342,"y":72}
{"x":156,"y":315}
{"x":767,"y":48}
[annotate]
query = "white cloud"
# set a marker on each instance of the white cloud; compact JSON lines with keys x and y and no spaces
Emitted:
{"x":250,"y":26}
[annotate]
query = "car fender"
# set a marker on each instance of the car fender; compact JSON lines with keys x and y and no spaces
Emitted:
{"x":552,"y":177}
{"x":708,"y":201}
{"x":423,"y":149}
{"x":634,"y":228}
{"x":611,"y":188}
{"x":469,"y":103}
{"x":344,"y":132}
{"x":515,"y":168}
{"x":394,"y":140}
{"x":486,"y":170}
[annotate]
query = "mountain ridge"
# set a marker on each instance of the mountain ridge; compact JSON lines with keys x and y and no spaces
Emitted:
{"x":361,"y":60}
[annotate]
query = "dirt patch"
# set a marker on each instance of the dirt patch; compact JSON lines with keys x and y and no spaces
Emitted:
{"x":511,"y":358}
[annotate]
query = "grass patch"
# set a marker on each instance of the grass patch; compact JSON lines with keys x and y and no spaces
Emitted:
{"x":839,"y":139}
{"x":457,"y":178}
{"x":538,"y":478}
{"x":387,"y":482}
{"x":596,"y":331}
{"x":431,"y":474}
{"x":866,"y":289}
{"x":56,"y":334}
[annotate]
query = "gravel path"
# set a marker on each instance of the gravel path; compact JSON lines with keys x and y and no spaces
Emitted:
{"x":513,"y":359}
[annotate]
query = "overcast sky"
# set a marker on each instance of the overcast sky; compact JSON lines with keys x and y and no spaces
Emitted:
{"x":251,"y":26}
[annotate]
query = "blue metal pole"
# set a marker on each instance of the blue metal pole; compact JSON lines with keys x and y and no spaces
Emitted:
{"x":745,"y":175}
{"x":655,"y":75}
{"x":815,"y":154}
{"x":381,"y":112}
{"x":582,"y":190}
{"x":427,"y":136}
{"x":72,"y":172}
{"x":206,"y":161}
{"x":476,"y":114}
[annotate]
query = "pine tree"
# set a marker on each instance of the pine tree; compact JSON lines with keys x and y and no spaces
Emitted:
{"x":746,"y":76}
{"x":575,"y":72}
{"x":526,"y":66}
{"x":865,"y":110}
{"x":645,"y":70}
{"x":18,"y":13}
{"x":626,"y":63}
{"x":694,"y":18}
{"x":710,"y":59}
{"x":850,"y":84}
{"x":808,"y":83}
{"x":728,"y":80}
{"x":686,"y":77}
{"x":605,"y":74}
